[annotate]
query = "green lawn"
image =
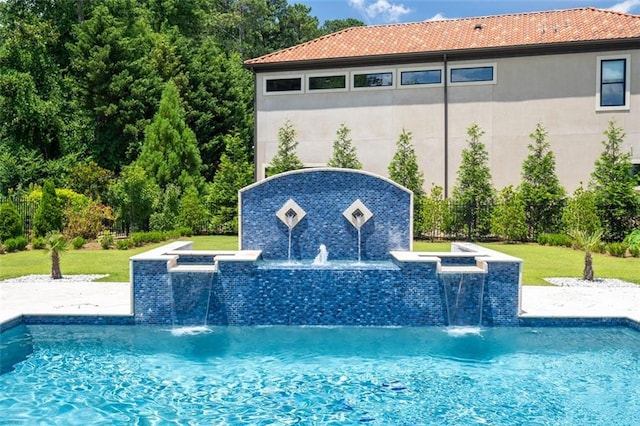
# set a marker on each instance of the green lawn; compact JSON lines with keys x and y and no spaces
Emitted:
{"x":539,"y":261}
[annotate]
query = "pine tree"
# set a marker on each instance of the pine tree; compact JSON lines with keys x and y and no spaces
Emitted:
{"x":613,"y":185}
{"x":473,"y":194}
{"x":170,"y":151}
{"x":404,"y":170}
{"x":344,"y":153}
{"x":48,"y":216}
{"x":286,"y":158}
{"x":541,"y":192}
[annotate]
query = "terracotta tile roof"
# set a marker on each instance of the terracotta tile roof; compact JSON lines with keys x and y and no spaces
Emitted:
{"x":524,"y":29}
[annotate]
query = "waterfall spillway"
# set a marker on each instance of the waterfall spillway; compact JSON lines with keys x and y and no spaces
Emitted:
{"x":464,"y":295}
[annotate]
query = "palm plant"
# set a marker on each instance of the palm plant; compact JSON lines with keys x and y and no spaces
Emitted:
{"x":586,"y":241}
{"x":56,"y":244}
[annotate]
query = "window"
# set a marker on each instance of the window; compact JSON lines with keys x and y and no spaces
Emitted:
{"x":288,"y":84}
{"x":635,"y":171}
{"x":613,"y":82}
{"x":380,"y":79}
{"x":420,"y":77}
{"x":479,"y":74}
{"x":330,"y":82}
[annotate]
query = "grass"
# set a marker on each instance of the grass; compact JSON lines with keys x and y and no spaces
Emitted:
{"x":539,"y":261}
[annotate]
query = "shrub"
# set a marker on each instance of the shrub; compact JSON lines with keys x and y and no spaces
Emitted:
{"x":10,"y":221}
{"x":2,"y":249}
{"x":633,"y":239}
{"x":86,"y":220}
{"x":561,"y":240}
{"x":78,"y":243}
{"x":15,"y":244}
{"x":38,"y":243}
{"x":106,"y":240}
{"x":141,"y":238}
{"x":634,"y":251}
{"x":617,"y":249}
{"x":124,"y":244}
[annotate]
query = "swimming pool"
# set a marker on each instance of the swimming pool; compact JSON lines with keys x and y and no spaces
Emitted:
{"x":314,"y":375}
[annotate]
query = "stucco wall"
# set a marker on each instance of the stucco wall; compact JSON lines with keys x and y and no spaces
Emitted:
{"x":558,"y":91}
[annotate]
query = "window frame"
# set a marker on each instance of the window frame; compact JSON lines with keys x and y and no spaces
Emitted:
{"x":344,"y":74}
{"x":627,"y":83}
{"x":267,"y":78}
{"x":492,"y":65}
{"x":420,"y":85}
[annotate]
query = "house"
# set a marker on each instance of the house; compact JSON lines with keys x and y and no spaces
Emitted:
{"x":570,"y":70}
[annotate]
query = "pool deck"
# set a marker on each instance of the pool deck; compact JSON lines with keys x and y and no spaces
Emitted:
{"x":64,"y":298}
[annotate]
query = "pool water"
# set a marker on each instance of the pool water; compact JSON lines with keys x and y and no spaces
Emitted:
{"x":309,"y":375}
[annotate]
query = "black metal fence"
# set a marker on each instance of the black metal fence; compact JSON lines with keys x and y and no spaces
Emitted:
{"x":441,"y":221}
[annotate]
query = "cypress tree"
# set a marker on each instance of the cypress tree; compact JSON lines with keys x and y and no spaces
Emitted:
{"x":48,"y":216}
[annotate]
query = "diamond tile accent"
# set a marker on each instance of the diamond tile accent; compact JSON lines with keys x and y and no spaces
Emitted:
{"x":357,"y":214}
{"x":291,"y":214}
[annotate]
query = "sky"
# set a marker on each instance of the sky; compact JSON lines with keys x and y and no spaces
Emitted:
{"x":375,"y":12}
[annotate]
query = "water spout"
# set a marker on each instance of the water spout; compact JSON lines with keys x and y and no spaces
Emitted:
{"x":323,"y":254}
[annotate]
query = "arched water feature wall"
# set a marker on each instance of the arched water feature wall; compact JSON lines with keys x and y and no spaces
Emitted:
{"x":368,"y":274}
{"x":327,"y":206}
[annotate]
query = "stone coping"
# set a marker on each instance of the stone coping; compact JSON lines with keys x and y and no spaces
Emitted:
{"x":458,"y":249}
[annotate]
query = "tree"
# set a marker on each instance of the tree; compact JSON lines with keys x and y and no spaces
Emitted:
{"x":170,"y":150}
{"x":616,"y":200}
{"x":335,"y":25}
{"x":508,"y":219}
{"x":540,"y":190}
{"x":586,"y":241}
{"x":219,"y":100}
{"x":90,"y":179}
{"x":31,"y":87}
{"x":48,"y":216}
{"x":56,"y":244}
{"x":167,"y":209}
{"x":234,"y":173}
{"x":344,"y":153}
{"x":580,"y":213}
{"x":433,"y":212}
{"x":404,"y":170}
{"x":473,"y":193}
{"x":286,"y":158}
{"x":10,"y":221}
{"x":192,"y":213}
{"x":133,"y":195}
{"x":116,"y":81}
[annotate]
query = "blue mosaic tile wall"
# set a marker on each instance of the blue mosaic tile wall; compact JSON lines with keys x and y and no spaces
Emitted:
{"x":383,"y":294}
{"x":152,"y":293}
{"x":324,"y":194}
{"x":500,"y":305}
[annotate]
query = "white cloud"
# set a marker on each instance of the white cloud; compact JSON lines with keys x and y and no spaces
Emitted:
{"x":438,"y":17}
{"x":625,"y":6}
{"x":380,"y":9}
